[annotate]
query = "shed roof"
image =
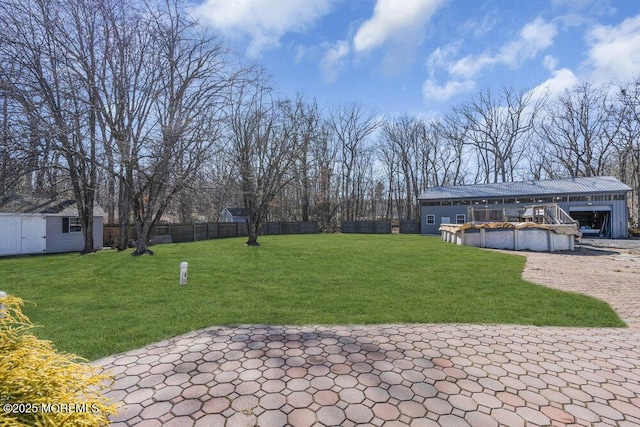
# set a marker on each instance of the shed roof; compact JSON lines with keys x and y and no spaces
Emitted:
{"x":599,"y":184}
{"x":58,"y":207}
{"x":242,"y":212}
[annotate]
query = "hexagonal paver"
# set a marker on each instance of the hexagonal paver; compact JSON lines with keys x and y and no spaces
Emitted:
{"x":244,"y":403}
{"x":438,"y":406}
{"x":330,"y":415}
{"x":299,"y":399}
{"x":186,"y":407}
{"x":216,"y":405}
{"x":377,"y":394}
{"x":463,"y":403}
{"x":386,"y":411}
{"x":352,"y":395}
{"x":359,"y":414}
{"x":412,"y":409}
{"x":272,"y":418}
{"x":156,"y":410}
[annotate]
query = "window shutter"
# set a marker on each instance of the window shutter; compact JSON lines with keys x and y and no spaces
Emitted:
{"x":65,"y":225}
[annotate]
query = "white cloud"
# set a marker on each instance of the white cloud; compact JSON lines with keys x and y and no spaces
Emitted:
{"x":431,"y":91}
{"x":534,"y":37}
{"x":614,"y":50}
{"x":441,"y":57}
{"x":561,"y":80}
{"x":550,"y":62}
{"x":396,"y":21}
{"x":333,"y":60}
{"x":399,"y":26}
{"x":264,"y":22}
{"x":471,"y":65}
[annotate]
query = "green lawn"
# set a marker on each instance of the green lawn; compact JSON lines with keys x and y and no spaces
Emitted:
{"x":108,"y":302}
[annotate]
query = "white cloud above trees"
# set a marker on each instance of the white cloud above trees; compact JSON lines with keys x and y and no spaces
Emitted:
{"x":614,"y":51}
{"x":263,"y":22}
{"x":534,"y":38}
{"x":396,"y":22}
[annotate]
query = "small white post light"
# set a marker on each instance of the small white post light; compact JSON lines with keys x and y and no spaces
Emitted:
{"x":183,"y":272}
{"x":3,"y":296}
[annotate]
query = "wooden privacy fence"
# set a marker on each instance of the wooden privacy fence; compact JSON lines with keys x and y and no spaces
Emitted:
{"x":211,"y":230}
{"x":409,"y":227}
{"x":366,"y":227}
{"x":379,"y":227}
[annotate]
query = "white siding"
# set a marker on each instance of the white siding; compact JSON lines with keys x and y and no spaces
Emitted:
{"x":57,"y":241}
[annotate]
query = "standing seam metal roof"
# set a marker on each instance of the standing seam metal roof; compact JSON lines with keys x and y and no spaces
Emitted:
{"x":600,"y":184}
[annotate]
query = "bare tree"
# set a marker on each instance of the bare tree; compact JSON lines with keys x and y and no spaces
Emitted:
{"x":190,"y":90}
{"x":307,"y":132}
{"x":626,"y":136}
{"x":263,"y":147}
{"x":575,"y":131}
{"x":403,"y":142}
{"x":499,"y":129}
{"x":18,"y":152}
{"x":351,"y":125}
{"x":447,"y":155}
{"x":52,"y":44}
{"x":296,"y":201}
{"x":325,"y":178}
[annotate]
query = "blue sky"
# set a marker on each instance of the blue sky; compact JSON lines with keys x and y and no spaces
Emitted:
{"x":423,"y":56}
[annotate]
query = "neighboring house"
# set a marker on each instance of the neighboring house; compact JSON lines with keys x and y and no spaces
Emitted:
{"x":31,"y":226}
{"x":233,"y":215}
{"x":599,"y":204}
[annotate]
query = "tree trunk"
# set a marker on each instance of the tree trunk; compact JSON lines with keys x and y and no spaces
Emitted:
{"x":253,"y":225}
{"x":123,"y":217}
{"x":253,"y":235}
{"x":143,"y":232}
{"x":87,"y":230}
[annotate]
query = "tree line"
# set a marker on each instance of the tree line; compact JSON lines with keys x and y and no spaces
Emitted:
{"x":135,"y":107}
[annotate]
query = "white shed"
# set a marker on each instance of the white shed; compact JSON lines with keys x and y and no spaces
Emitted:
{"x":233,"y":215}
{"x":30,"y":226}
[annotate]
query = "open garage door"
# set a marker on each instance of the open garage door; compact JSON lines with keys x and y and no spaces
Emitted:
{"x":22,"y":234}
{"x":595,"y":221}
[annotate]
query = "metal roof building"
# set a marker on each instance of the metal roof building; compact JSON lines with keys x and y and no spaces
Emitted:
{"x":598,"y":203}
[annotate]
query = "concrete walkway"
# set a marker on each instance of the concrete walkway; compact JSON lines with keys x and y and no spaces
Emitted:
{"x":418,"y":375}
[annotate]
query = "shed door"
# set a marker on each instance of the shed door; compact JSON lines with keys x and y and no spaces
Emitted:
{"x":34,"y":231}
{"x":10,"y":234}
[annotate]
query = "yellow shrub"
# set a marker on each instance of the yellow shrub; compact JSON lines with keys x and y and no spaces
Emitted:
{"x":41,"y":387}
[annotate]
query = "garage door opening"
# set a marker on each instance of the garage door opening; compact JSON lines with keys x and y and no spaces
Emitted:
{"x":594,"y":222}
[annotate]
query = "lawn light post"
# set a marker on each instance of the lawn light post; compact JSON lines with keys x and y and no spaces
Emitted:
{"x":3,"y":296}
{"x":183,"y":272}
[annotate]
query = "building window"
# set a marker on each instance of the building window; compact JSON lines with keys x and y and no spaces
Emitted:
{"x":579,"y":198}
{"x":431,"y":219}
{"x":461,"y":218}
{"x":543,"y":199}
{"x":71,"y":225}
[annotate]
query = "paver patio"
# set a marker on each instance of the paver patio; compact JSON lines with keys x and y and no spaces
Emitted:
{"x":417,"y":375}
